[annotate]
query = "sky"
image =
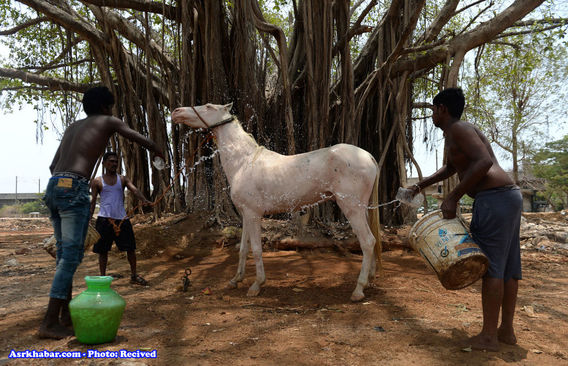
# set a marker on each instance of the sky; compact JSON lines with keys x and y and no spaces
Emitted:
{"x":24,"y":161}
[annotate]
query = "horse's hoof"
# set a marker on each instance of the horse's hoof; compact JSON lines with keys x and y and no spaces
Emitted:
{"x":231,"y":285}
{"x":253,"y":292}
{"x":357,"y":297}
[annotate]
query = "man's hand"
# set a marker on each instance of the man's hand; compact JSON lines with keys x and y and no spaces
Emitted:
{"x":159,"y":154}
{"x":449,"y":207}
{"x":415,"y":189}
{"x":145,"y":202}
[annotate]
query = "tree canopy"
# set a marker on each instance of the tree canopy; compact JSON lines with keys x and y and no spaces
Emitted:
{"x":516,"y":91}
{"x":302,"y":74}
{"x":551,"y":163}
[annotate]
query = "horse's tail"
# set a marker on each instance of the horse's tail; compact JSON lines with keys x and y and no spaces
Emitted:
{"x":374,"y":221}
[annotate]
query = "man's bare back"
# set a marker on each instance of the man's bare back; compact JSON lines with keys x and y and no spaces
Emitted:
{"x":466,"y":145}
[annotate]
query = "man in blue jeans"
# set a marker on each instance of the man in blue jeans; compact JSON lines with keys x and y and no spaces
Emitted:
{"x":67,"y":197}
{"x":496,"y":215}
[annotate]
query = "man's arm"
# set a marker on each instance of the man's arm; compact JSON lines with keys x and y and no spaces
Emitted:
{"x":443,"y":173}
{"x":132,"y":188}
{"x":479,"y":164}
{"x":95,"y":189}
{"x":125,"y":131}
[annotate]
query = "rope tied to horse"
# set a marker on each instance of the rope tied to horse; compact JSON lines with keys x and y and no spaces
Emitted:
{"x":209,"y":137}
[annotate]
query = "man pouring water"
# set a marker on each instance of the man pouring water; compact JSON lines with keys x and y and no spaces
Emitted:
{"x":67,"y":197}
{"x":496,"y":214}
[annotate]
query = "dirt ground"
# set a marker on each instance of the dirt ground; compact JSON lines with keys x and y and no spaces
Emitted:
{"x":303,"y":315}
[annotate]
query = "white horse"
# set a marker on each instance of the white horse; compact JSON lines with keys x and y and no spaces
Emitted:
{"x":264,"y":182}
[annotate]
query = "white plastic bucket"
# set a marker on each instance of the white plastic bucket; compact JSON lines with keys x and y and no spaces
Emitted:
{"x":448,"y":248}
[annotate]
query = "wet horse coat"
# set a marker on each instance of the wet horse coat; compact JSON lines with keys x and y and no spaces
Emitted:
{"x":265,"y":182}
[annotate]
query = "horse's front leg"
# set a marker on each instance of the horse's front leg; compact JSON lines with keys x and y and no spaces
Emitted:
{"x":243,"y":252}
{"x":256,"y":244}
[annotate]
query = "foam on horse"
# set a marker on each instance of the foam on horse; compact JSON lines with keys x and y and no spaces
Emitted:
{"x":265,"y":182}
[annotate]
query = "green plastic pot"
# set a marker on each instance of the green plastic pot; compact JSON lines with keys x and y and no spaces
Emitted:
{"x":97,"y":311}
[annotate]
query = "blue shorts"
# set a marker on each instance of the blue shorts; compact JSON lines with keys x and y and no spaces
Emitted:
{"x":67,"y":197}
{"x":495,"y":226}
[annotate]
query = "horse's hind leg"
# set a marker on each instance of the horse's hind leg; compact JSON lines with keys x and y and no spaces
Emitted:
{"x":358,"y":220}
{"x":243,"y":252}
{"x":373,"y":269}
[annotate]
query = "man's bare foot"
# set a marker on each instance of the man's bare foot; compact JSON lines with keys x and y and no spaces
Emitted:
{"x":507,"y":336}
{"x":483,"y":342}
{"x":56,"y":331}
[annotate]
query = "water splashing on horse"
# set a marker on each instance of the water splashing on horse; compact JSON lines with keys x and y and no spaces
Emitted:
{"x":265,"y":182}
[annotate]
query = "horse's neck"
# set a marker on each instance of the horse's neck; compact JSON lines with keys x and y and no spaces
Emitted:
{"x":236,"y":147}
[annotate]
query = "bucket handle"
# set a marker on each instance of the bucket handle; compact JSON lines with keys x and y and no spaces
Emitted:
{"x":464,"y":223}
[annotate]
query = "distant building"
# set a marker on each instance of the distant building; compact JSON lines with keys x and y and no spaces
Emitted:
{"x":530,"y":186}
{"x":7,"y":199}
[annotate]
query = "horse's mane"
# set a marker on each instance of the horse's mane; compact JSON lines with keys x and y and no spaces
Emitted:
{"x":247,"y":133}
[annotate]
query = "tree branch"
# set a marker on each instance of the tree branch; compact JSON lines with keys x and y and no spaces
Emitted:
{"x":52,"y":66}
{"x":356,"y":28}
{"x":530,"y":31}
{"x":262,"y":25}
{"x":73,"y":22}
{"x":443,"y":17}
{"x":51,"y":83}
{"x":168,"y":11}
{"x":134,"y":35}
{"x":475,"y":18}
{"x":528,"y":23}
{"x":354,"y":7}
{"x":422,"y":105}
{"x":484,"y":32}
{"x":473,"y":4}
{"x":24,"y":25}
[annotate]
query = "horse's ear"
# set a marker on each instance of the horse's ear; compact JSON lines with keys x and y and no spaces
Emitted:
{"x":228,"y":107}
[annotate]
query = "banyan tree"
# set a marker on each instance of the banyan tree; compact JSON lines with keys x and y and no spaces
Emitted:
{"x":303,"y":74}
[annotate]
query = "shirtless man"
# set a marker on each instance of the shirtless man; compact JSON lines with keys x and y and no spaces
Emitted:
{"x":496,"y":214}
{"x":67,"y":197}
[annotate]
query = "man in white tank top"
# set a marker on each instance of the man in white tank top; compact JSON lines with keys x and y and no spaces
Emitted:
{"x":112,"y":222}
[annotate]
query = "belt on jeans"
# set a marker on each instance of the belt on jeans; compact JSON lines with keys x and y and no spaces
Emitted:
{"x":70,"y":175}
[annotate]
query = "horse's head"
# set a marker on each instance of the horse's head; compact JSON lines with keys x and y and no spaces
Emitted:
{"x":202,"y":116}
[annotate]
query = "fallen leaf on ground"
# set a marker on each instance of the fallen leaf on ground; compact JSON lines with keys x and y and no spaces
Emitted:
{"x":530,"y":311}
